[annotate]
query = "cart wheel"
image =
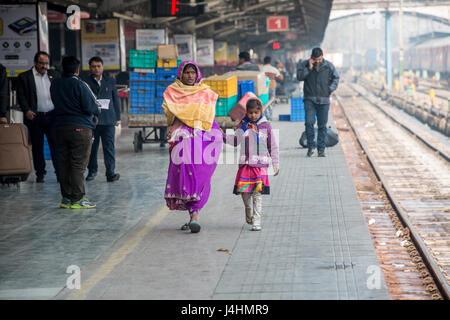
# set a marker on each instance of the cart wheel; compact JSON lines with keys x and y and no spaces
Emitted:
{"x":138,"y":141}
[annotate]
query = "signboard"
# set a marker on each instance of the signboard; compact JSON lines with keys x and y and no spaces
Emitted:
{"x":185,"y":44}
{"x":101,"y":38}
{"x":277,"y":23}
{"x":220,"y":53}
{"x":176,"y":8}
{"x":233,"y":55}
{"x":148,"y":39}
{"x":18,"y":37}
{"x":205,"y":52}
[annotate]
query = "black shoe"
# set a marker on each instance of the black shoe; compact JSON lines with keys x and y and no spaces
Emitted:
{"x":321,"y":153}
{"x":40,"y":179}
{"x":310,"y":152}
{"x":90,"y":176}
{"x":112,"y":178}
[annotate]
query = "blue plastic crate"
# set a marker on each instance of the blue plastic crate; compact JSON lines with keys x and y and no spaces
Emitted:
{"x":141,"y":76}
{"x":142,"y":97}
{"x":170,"y":71}
{"x":284,"y":117}
{"x":158,"y":105}
{"x":161,"y":87}
{"x":244,"y":87}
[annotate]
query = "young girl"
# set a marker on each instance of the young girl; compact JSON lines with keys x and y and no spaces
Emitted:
{"x":255,"y":136}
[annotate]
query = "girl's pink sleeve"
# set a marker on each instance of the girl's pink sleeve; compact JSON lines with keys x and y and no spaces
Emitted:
{"x":235,"y":139}
{"x":272,"y":146}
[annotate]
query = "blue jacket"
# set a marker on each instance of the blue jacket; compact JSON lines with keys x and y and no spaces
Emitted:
{"x":75,"y":104}
{"x":107,"y":90}
{"x":318,"y":85}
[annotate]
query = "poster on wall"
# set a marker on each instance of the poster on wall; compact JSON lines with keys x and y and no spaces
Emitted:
{"x":185,"y":44}
{"x":101,"y":38}
{"x":18,"y":37}
{"x":205,"y":52}
{"x":220,"y":53}
{"x":148,"y":39}
{"x":233,"y":55}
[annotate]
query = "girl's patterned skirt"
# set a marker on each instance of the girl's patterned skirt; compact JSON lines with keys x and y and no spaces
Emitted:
{"x":251,"y":179}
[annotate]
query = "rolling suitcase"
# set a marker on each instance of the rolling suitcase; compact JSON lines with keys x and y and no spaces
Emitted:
{"x":15,"y":153}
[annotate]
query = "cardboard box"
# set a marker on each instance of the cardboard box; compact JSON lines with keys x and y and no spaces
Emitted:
{"x":167,"y":51}
{"x":258,"y":77}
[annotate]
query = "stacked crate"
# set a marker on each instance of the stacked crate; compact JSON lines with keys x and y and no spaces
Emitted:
{"x":244,"y":87}
{"x":265,"y":96}
{"x":149,"y":80}
{"x":297,"y":109}
{"x":227,"y":89}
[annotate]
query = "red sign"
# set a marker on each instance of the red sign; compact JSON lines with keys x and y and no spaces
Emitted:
{"x":277,"y":23}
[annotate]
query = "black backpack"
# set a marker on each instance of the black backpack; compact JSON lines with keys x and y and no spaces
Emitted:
{"x":331,"y":139}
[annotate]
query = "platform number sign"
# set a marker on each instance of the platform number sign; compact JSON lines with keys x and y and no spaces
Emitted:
{"x":277,"y":23}
{"x":176,"y":8}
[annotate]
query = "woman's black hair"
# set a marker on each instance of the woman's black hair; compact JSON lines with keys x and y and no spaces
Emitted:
{"x":253,"y":103}
{"x":190,"y":65}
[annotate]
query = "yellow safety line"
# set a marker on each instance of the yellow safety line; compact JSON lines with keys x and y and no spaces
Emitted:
{"x":117,"y":257}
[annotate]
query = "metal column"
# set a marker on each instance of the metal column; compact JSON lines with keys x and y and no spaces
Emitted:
{"x":388,"y":51}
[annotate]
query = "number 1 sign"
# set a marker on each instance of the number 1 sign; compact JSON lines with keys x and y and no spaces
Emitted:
{"x":277,"y":23}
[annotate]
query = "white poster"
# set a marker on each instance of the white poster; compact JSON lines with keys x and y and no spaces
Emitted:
{"x":148,"y":39}
{"x":185,"y":43}
{"x":18,"y":37}
{"x":205,"y":52}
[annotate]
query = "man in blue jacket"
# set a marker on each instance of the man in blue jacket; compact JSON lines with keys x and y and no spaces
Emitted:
{"x":75,"y":114}
{"x":105,"y":89}
{"x":320,"y":80}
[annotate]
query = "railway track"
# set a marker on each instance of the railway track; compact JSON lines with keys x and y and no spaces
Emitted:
{"x":416,"y":179}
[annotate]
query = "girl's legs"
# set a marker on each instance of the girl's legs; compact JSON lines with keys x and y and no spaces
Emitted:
{"x":257,"y":211}
{"x":246,"y":197}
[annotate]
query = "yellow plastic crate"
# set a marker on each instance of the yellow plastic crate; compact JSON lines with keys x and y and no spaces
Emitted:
{"x":224,"y":86}
{"x":166,"y":63}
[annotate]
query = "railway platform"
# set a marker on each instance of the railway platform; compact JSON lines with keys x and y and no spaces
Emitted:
{"x":314,"y":243}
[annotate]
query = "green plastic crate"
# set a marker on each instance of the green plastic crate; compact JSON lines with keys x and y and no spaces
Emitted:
{"x":224,"y":105}
{"x":179,"y":62}
{"x":143,"y":59}
{"x":264,"y":98}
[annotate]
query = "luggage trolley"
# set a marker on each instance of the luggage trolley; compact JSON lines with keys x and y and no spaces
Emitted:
{"x":145,"y":107}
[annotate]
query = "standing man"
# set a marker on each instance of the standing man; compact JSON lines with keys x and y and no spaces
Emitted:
{"x":320,"y":80}
{"x":105,"y":90}
{"x":272,"y":73}
{"x":245,"y":63}
{"x":75,"y":111}
{"x":3,"y":95}
{"x":33,"y":96}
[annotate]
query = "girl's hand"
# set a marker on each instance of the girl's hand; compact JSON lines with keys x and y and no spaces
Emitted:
{"x":276,"y":170}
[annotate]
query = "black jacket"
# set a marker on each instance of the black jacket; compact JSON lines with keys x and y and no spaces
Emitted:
{"x":26,"y":89}
{"x":318,"y":85}
{"x":107,"y":90}
{"x":75,"y":104}
{"x":3,"y":92}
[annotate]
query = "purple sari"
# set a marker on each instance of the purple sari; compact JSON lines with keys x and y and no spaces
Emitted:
{"x":193,"y":160}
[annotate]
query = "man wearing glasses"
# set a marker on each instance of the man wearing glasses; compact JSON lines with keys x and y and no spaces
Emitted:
{"x":33,"y":95}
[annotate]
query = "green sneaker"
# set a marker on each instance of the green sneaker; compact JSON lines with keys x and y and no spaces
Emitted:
{"x":83,"y":204}
{"x":65,"y":203}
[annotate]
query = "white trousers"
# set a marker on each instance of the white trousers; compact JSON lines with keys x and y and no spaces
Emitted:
{"x":253,"y":215}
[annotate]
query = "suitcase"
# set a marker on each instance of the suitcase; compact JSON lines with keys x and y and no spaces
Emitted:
{"x":15,"y":153}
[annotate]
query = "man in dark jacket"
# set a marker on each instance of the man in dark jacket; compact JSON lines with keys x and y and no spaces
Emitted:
{"x":3,"y":95}
{"x":320,"y":80}
{"x":105,"y":90}
{"x":33,"y":96}
{"x":245,"y":64}
{"x":75,"y":111}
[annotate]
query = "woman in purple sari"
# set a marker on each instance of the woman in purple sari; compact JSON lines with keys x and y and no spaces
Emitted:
{"x":195,"y":142}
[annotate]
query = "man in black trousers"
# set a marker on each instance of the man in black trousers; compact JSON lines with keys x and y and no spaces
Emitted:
{"x":75,"y":110}
{"x":33,"y":96}
{"x":105,"y":90}
{"x":3,"y":95}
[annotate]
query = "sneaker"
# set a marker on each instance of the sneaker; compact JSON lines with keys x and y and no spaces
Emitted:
{"x":65,"y":203}
{"x":310,"y":152}
{"x":83,"y":204}
{"x":321,"y":153}
{"x":113,"y":178}
{"x":90,"y":176}
{"x":256,"y":228}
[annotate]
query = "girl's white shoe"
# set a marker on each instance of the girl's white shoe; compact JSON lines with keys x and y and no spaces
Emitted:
{"x":256,"y":228}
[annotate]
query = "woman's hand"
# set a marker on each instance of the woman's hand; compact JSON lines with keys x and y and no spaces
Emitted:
{"x":276,"y":171}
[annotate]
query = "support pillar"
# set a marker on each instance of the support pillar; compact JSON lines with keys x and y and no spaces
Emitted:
{"x":388,"y":51}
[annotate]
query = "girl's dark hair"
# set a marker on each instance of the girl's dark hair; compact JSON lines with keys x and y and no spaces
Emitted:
{"x":253,"y":103}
